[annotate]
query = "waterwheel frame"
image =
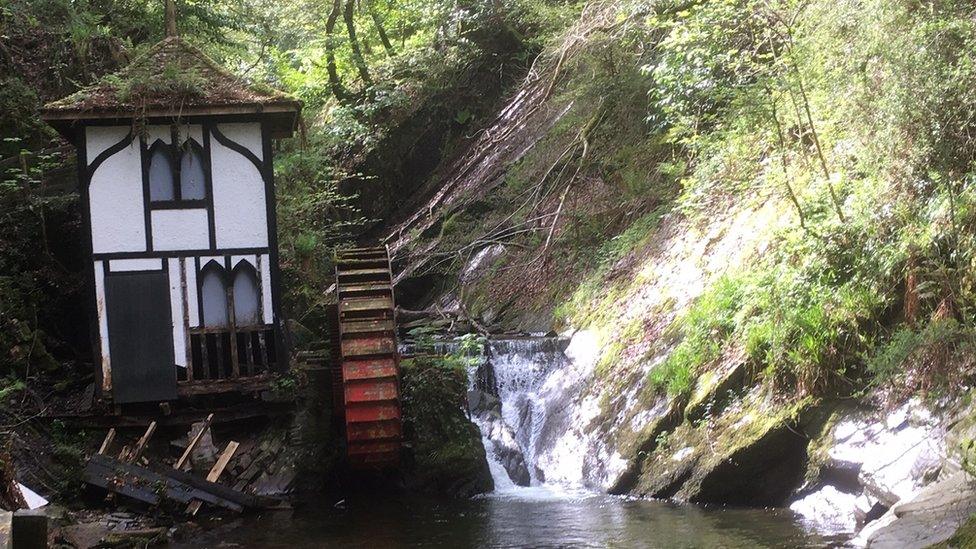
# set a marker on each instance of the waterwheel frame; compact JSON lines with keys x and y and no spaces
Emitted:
{"x":368,"y":358}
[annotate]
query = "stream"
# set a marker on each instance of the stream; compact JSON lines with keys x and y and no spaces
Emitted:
{"x":519,"y":398}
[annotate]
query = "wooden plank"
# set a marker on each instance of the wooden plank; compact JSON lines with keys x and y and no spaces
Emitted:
{"x":362,"y":304}
{"x":244,"y":385}
{"x":369,"y":369}
{"x":367,"y":326}
{"x":188,"y":339}
{"x":193,"y":444}
{"x":366,"y":347}
{"x":248,"y":364}
{"x":204,"y":356}
{"x":141,"y":445}
{"x":109,"y":437}
{"x":219,"y":342}
{"x":147,"y":485}
{"x":215,"y":472}
{"x":263,"y":347}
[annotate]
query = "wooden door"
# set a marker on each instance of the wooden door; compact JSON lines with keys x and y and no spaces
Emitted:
{"x":140,"y":336}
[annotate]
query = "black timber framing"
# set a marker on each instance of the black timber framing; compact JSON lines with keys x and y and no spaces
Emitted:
{"x":76,"y":130}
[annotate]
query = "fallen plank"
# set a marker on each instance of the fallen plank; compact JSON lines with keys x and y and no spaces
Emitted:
{"x":215,"y":472}
{"x":149,"y":486}
{"x":193,"y":443}
{"x":141,"y":445}
{"x":109,"y":437}
{"x":152,"y":486}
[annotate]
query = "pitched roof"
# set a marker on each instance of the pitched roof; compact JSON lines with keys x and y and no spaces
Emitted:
{"x":172,"y":78}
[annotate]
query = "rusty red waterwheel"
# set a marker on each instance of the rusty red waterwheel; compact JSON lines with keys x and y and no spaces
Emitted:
{"x":368,"y":357}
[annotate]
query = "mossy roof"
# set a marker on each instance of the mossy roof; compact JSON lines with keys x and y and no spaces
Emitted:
{"x":173,"y":77}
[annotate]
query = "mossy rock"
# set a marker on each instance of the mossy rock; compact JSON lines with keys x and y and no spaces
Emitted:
{"x":755,"y":454}
{"x":448,"y":456}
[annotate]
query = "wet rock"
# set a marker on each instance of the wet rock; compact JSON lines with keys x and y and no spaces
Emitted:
{"x":835,"y":511}
{"x":502,"y":445}
{"x":278,"y":483}
{"x":880,"y":459}
{"x":931,"y":516}
{"x":894,"y":454}
{"x":754,"y":454}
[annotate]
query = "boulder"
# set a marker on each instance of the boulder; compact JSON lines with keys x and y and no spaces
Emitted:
{"x":931,"y":516}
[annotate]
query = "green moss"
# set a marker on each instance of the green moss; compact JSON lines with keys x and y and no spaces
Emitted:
{"x":448,"y":455}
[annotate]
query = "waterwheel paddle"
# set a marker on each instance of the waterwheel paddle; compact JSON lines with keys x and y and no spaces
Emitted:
{"x":368,"y":357}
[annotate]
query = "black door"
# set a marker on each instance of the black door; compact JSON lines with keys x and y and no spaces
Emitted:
{"x":140,"y":336}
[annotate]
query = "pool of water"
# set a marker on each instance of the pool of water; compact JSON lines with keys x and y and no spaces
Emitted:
{"x":524,"y":517}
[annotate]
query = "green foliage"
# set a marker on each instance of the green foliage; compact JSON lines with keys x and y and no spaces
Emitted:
{"x":705,"y":328}
{"x":446,"y":444}
{"x":172,"y":82}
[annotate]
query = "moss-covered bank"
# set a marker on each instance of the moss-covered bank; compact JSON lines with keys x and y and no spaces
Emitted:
{"x":447,"y":453}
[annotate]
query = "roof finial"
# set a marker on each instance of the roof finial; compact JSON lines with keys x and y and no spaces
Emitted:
{"x":170,"y":19}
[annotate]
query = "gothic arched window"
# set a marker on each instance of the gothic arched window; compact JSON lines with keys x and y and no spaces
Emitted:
{"x":161,"y":173}
{"x":247,"y":300}
{"x":213,"y":294}
{"x":177,"y":173}
{"x":192,"y":178}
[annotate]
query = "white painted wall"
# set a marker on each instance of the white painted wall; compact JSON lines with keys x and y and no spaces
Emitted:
{"x":234,"y":260}
{"x":176,"y":305}
{"x":180,"y":229}
{"x":100,"y":138}
{"x":115,"y":194}
{"x":264,"y":268}
{"x":126,"y":265}
{"x":247,"y":134}
{"x":238,"y":188}
{"x":190,"y":271}
{"x":158,"y":133}
{"x":163,"y":133}
{"x":102,"y":326}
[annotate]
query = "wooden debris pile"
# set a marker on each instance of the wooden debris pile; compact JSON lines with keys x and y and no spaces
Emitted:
{"x":131,"y":475}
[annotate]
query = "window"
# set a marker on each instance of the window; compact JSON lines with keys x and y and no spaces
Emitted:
{"x":215,"y":299}
{"x":177,"y":175}
{"x":213,"y":293}
{"x":160,"y":173}
{"x":192,"y":180}
{"x":246,"y":297}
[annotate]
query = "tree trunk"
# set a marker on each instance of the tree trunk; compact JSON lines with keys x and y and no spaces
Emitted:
{"x":338,"y":90}
{"x":357,"y":54}
{"x":387,"y":45}
{"x":170,"y":19}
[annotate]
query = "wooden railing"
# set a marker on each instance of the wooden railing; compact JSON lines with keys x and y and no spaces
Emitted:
{"x":220,"y":354}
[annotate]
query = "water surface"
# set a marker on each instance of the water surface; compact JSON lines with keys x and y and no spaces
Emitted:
{"x":524,"y":517}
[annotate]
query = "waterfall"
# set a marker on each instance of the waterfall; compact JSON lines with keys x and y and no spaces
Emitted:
{"x":512,"y":403}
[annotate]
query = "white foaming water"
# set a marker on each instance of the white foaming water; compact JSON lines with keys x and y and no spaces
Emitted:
{"x":523,"y":371}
